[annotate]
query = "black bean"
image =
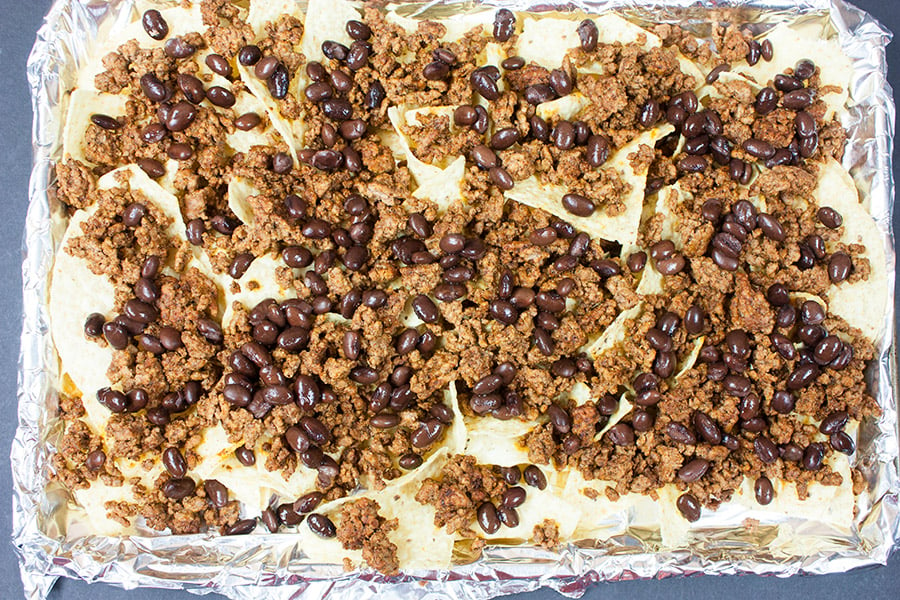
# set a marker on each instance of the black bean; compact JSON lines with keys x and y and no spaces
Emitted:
{"x":798,"y":99}
{"x":178,"y":488}
{"x":813,"y":456}
{"x":758,"y":148}
{"x":153,"y":133}
{"x":504,"y":138}
{"x":707,"y":428}
{"x":713,"y":75}
{"x":802,"y":376}
{"x":588,"y":35}
{"x":694,"y":470}
{"x":805,"y":124}
{"x":425,"y":308}
{"x":535,"y":477}
{"x":179,"y":151}
{"x":763,"y":489}
{"x":154,"y":24}
{"x":842,"y":442}
{"x":649,"y":113}
{"x":804,"y":69}
{"x":621,"y":434}
{"x":513,"y":63}
{"x":191,"y":87}
{"x":504,"y":25}
{"x":503,"y":311}
{"x":808,"y":145}
{"x":95,"y":460}
{"x":278,"y":82}
{"x":321,"y":525}
{"x":597,"y":151}
{"x":410,"y":461}
{"x":181,"y":116}
{"x":680,"y":434}
{"x":754,"y":52}
{"x":484,"y":157}
{"x":427,"y":433}
{"x":358,"y":55}
{"x":578,"y":205}
{"x":488,"y":518}
{"x":834,"y":422}
{"x":375,"y":95}
{"x":114,"y":400}
{"x":563,"y":135}
{"x":840,"y":265}
{"x":692,"y":164}
{"x":689,"y":507}
{"x":178,"y":48}
{"x":219,"y":64}
{"x":174,"y":462}
{"x":482,"y":83}
{"x":436,"y":71}
{"x":829,"y":217}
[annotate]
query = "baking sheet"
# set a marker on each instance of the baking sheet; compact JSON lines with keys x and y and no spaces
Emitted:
{"x":250,"y":566}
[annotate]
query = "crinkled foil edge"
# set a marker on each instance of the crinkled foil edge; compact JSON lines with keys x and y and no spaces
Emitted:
{"x":251,"y":567}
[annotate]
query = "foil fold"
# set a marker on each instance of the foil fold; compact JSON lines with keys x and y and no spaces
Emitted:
{"x":265,"y":566}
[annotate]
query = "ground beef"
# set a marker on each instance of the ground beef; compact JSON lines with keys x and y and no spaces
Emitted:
{"x":361,"y":527}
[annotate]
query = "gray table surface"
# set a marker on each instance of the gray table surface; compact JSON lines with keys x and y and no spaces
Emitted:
{"x":18,"y":23}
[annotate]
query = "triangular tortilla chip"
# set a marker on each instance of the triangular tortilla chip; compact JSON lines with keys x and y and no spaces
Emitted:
{"x":862,"y":304}
{"x":82,"y":104}
{"x":327,"y":20}
{"x":622,"y":228}
{"x":441,"y":186}
{"x":495,"y":442}
{"x":793,"y":43}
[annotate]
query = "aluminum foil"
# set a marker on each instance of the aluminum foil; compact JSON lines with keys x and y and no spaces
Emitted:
{"x":272,"y":566}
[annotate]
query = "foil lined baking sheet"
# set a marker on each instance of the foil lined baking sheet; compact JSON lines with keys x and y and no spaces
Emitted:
{"x":270,"y":566}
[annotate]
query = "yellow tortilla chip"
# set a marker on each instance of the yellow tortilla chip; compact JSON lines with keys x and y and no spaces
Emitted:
{"x":622,"y":228}
{"x":545,"y":40}
{"x":441,"y":186}
{"x":327,"y":20}
{"x":601,"y":518}
{"x":82,"y":104}
{"x":568,"y":107}
{"x":863,"y":304}
{"x":495,"y":442}
{"x":75,"y":292}
{"x":256,"y":284}
{"x":795,"y":42}
{"x":615,"y":333}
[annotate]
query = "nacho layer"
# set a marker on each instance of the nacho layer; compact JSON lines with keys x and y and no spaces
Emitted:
{"x":405,"y":288}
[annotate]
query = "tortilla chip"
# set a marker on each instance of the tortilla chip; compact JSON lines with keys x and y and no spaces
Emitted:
{"x":545,"y":40}
{"x":291,"y":131}
{"x":615,"y":333}
{"x":863,"y":304}
{"x":622,"y":228}
{"x":495,"y":442}
{"x":621,"y":412}
{"x":327,"y":20}
{"x":456,"y":25}
{"x":568,"y":107}
{"x":549,"y":503}
{"x":256,"y":284}
{"x":441,"y":186}
{"x":270,"y":11}
{"x":601,"y":518}
{"x":793,"y":43}
{"x":75,"y":292}
{"x":691,"y":359}
{"x":239,"y":189}
{"x":82,"y":104}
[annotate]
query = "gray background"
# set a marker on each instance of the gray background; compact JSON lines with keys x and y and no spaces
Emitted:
{"x":19,"y":20}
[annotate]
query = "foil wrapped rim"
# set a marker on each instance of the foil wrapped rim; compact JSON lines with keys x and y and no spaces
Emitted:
{"x":256,"y":566}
